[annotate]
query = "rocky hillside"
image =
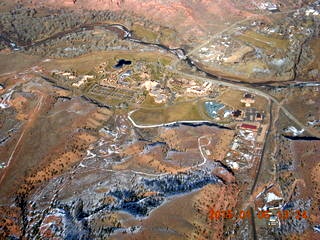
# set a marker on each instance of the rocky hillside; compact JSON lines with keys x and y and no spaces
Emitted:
{"x":192,"y":18}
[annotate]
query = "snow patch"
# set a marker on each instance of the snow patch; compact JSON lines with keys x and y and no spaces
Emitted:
{"x":294,"y":131}
{"x":272,"y":197}
{"x":233,"y":165}
{"x":279,"y":62}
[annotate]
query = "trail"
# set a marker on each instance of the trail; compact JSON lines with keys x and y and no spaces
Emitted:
{"x":26,"y":128}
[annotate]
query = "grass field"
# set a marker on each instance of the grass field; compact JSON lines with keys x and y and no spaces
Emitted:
{"x":87,"y":62}
{"x":142,"y":33}
{"x":150,"y":103}
{"x":232,"y":98}
{"x":15,"y":62}
{"x":315,"y":47}
{"x":178,"y":112}
{"x":263,"y":41}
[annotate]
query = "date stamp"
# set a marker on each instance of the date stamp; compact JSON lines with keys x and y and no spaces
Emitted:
{"x":263,"y":214}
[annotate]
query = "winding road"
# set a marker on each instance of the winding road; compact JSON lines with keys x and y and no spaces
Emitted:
{"x":181,"y":57}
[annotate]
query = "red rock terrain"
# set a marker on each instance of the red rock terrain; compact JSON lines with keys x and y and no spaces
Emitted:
{"x":192,"y":18}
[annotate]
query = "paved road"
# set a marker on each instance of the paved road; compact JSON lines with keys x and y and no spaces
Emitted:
{"x":162,"y":124}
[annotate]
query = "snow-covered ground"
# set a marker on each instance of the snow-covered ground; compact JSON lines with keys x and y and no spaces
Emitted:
{"x":272,"y":197}
{"x":315,"y":122}
{"x":233,"y":165}
{"x":294,"y":131}
{"x":5,"y":98}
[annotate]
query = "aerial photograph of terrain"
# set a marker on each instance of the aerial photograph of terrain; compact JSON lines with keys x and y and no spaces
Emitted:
{"x":160,"y":119}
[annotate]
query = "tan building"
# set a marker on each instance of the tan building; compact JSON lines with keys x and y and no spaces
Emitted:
{"x":248,"y":99}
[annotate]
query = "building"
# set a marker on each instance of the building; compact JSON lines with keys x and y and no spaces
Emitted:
{"x":273,"y":8}
{"x":150,"y":85}
{"x":273,"y":221}
{"x":249,"y":127}
{"x":65,"y":74}
{"x":158,"y":96}
{"x":250,"y":114}
{"x":208,"y":153}
{"x":83,"y":80}
{"x":248,"y":99}
{"x":259,"y":117}
{"x":125,"y":75}
{"x":238,"y":115}
{"x":86,"y":77}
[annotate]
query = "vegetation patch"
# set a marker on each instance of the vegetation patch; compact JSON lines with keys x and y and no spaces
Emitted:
{"x":178,"y":112}
{"x":263,"y":41}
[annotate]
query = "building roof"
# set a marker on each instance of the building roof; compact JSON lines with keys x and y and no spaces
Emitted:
{"x":237,"y":113}
{"x":248,"y":95}
{"x":248,"y":126}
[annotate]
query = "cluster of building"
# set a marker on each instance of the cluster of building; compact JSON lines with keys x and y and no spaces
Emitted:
{"x":117,"y":82}
{"x":247,"y":144}
{"x":214,"y":52}
{"x":77,"y":81}
{"x":118,"y":78}
{"x":199,"y":89}
{"x":245,"y":149}
{"x":155,"y":91}
{"x":180,"y":86}
{"x":248,"y":114}
{"x":271,"y":202}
